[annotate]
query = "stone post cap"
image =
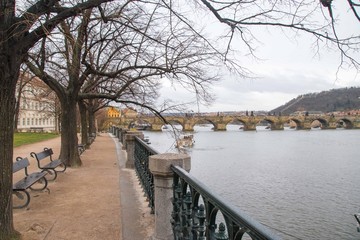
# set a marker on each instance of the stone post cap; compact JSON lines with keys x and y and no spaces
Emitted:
{"x":130,"y":135}
{"x":160,"y":164}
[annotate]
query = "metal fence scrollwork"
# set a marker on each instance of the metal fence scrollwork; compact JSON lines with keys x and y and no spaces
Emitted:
{"x":141,"y":155}
{"x":195,"y":213}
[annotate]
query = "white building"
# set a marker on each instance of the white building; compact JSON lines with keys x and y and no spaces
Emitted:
{"x":36,"y":107}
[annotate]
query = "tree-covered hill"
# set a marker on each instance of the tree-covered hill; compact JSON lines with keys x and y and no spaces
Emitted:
{"x":342,"y":99}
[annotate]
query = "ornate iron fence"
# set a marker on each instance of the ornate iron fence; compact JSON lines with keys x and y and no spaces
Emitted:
{"x":195,"y":212}
{"x":195,"y":207}
{"x":141,"y":155}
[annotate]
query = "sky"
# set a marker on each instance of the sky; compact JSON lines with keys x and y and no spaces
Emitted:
{"x":288,"y":68}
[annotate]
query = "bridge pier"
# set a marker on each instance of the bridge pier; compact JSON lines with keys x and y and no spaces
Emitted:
{"x":249,"y":127}
{"x":277,"y":126}
{"x":220,"y":127}
{"x":306,"y":125}
{"x":156,"y":127}
{"x":332,"y":124}
{"x":188,"y":127}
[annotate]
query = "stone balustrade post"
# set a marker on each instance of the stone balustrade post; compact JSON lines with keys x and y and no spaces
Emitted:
{"x":119,"y":134}
{"x":159,"y":166}
{"x":122,"y":135}
{"x":116,"y":132}
{"x":129,"y":146}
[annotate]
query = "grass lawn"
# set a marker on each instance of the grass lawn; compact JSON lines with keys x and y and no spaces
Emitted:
{"x":28,"y":138}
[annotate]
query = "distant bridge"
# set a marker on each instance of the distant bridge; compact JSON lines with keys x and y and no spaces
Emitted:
{"x":249,"y":122}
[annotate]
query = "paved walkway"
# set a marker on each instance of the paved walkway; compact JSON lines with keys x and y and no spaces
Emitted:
{"x":100,"y":200}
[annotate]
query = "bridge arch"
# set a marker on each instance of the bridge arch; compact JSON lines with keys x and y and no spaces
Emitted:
{"x":238,"y":123}
{"x":323,"y":123}
{"x":248,"y":124}
{"x":174,"y":123}
{"x":295,"y":123}
{"x":203,"y":121}
{"x":273,"y":125}
{"x":344,"y":123}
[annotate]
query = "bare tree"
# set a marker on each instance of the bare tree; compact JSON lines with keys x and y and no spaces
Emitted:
{"x":21,"y":26}
{"x":88,"y":109}
{"x":119,"y":53}
{"x":318,"y":19}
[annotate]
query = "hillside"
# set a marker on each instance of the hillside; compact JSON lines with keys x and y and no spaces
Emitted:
{"x":342,"y":99}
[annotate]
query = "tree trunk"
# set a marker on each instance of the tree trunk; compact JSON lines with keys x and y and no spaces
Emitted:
{"x":92,"y":127}
{"x":84,"y":127}
{"x":17,"y":106}
{"x":9,"y":73}
{"x":91,"y":119}
{"x":69,"y":140}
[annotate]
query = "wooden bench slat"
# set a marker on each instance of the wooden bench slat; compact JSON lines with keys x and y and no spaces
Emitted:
{"x":20,"y":164}
{"x":28,"y":181}
{"x":51,"y":164}
{"x":20,"y":187}
{"x":44,"y":154}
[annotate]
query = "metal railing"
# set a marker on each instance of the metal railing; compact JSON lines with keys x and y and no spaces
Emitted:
{"x":118,"y":133}
{"x":195,"y":213}
{"x":196,"y":208}
{"x":141,"y":157}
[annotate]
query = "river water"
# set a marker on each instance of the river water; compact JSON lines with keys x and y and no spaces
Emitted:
{"x":300,"y":184}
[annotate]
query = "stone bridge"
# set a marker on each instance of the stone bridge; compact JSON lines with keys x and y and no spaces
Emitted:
{"x":249,"y":122}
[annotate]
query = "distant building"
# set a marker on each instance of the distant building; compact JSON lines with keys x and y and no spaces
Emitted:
{"x":36,"y":106}
{"x":113,"y":112}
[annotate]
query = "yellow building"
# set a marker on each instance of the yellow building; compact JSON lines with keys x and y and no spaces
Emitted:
{"x":113,"y":112}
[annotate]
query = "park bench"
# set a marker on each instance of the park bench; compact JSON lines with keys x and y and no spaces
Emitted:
{"x":36,"y":129}
{"x":28,"y":182}
{"x":52,"y":166}
{"x":92,"y":138}
{"x":81,"y":148}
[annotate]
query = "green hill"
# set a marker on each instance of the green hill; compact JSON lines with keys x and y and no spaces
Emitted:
{"x":342,"y":99}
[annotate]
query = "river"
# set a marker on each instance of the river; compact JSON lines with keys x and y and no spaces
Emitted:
{"x":301,"y":184}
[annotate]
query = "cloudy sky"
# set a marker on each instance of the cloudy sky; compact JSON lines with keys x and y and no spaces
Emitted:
{"x":289,"y":67}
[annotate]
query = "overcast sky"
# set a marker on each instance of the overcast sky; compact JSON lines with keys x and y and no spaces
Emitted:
{"x":289,"y":68}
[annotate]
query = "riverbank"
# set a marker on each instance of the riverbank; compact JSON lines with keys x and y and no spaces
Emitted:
{"x":90,"y":202}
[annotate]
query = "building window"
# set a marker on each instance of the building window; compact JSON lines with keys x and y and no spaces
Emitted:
{"x":23,"y":121}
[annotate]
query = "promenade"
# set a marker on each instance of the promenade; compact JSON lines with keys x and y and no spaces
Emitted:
{"x":100,"y":200}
